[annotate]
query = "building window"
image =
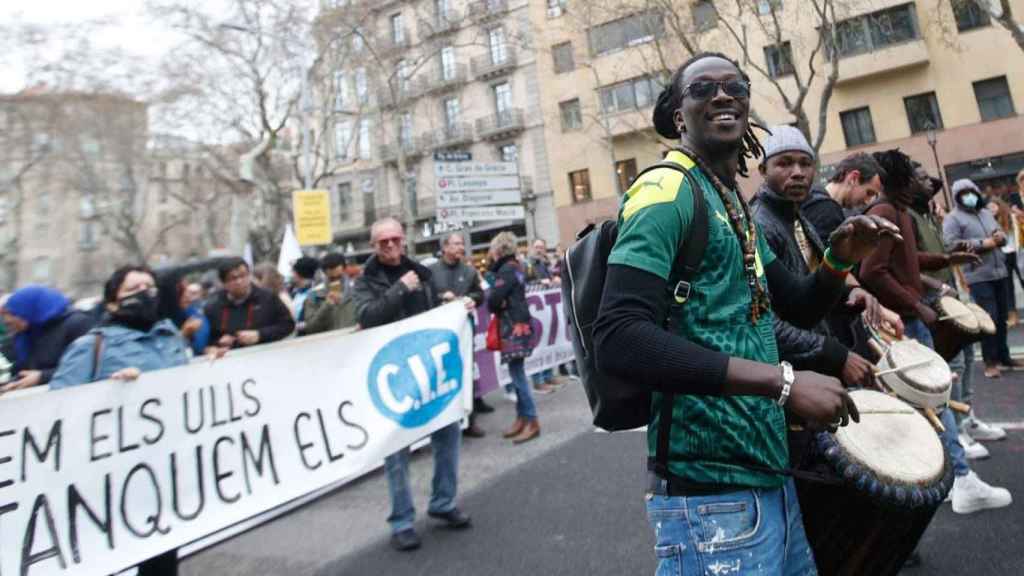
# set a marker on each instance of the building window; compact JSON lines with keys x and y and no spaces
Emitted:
{"x":87,"y":203}
{"x":628,"y":31}
{"x":625,"y":172}
{"x":858,"y":127}
{"x":633,"y":94}
{"x":41,"y":270}
{"x":405,"y":129}
{"x":572,"y":115}
{"x":410,"y":194}
{"x":994,"y":99}
{"x":43,"y":203}
{"x":562,"y":55}
{"x":344,"y":201}
{"x":556,"y":8}
{"x":369,"y":203}
{"x":508,"y":153}
{"x":358,"y":43}
{"x":364,"y":139}
{"x":362,"y":91}
{"x":497,"y":45}
{"x":923,"y":112}
{"x":342,"y":139}
{"x":442,"y":8}
{"x":705,"y":17}
{"x":876,"y":31}
{"x":451,"y":114}
{"x":970,"y":16}
{"x":397,"y":29}
{"x":579,"y":183}
{"x":780,"y":59}
{"x":404,"y":74}
{"x":87,"y":234}
{"x":447,"y":63}
{"x":766,"y":6}
{"x":502,"y":100}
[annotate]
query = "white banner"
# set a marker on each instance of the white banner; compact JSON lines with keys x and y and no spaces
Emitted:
{"x":97,"y":478}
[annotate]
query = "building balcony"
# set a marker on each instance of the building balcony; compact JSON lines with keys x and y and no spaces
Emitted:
{"x":440,"y":24}
{"x":455,"y":135}
{"x":388,"y":46}
{"x":487,"y":10}
{"x":437,"y":82}
{"x":884,"y":61}
{"x":403,"y":94}
{"x":413,"y":150}
{"x":485,"y":67}
{"x":501,"y":125}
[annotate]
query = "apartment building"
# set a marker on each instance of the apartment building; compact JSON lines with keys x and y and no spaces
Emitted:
{"x":909,"y":72}
{"x":419,"y":80}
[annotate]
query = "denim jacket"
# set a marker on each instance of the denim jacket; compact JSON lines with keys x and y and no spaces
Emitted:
{"x":121,"y":347}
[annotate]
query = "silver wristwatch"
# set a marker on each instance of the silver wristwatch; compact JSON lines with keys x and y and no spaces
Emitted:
{"x":787,"y":382}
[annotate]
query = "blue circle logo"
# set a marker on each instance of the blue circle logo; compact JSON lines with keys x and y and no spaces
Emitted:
{"x":415,"y":376}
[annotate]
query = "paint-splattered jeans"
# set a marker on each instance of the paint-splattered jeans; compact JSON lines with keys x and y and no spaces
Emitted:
{"x":738,"y":533}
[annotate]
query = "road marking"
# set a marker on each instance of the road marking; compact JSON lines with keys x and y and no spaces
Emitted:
{"x":603,"y":431}
{"x":1009,"y":425}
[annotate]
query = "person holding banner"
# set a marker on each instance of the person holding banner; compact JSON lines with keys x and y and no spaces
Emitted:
{"x":243,"y":314}
{"x":328,"y":306}
{"x":394,"y":287}
{"x":132,"y":341}
{"x":507,"y":300}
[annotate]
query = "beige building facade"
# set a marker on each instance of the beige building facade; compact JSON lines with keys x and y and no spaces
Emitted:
{"x":422,"y":81}
{"x":905,"y":69}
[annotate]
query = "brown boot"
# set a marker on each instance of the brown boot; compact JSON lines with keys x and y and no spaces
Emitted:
{"x":529,"y":432}
{"x":516,"y":428}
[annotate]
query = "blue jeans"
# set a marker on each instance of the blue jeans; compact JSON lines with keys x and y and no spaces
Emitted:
{"x":542,"y":377}
{"x":963,"y":389}
{"x":445,"y":445}
{"x":914,"y":328}
{"x":747,"y":532}
{"x":992,"y":297}
{"x":525,"y":408}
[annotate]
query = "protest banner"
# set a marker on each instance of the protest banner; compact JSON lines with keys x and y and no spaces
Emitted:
{"x":97,"y":478}
{"x":552,"y":346}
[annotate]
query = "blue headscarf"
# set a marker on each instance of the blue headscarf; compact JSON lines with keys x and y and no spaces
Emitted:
{"x":36,"y":305}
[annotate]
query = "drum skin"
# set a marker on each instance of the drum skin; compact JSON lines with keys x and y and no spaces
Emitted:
{"x":958,"y":330}
{"x":924,"y":386}
{"x":873,"y":520}
{"x":985,"y":322}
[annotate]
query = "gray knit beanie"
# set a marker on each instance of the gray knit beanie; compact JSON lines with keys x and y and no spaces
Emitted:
{"x":785,"y":139}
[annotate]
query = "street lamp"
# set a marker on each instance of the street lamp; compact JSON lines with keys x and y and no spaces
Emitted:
{"x":932,"y":135}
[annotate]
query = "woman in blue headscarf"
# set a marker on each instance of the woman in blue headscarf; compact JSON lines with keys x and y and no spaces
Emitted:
{"x":43,"y":324}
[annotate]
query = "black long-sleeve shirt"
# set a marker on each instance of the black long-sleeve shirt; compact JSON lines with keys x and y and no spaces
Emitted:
{"x":630,"y":340}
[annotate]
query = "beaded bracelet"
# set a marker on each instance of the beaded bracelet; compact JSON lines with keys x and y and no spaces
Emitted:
{"x":834,"y":266}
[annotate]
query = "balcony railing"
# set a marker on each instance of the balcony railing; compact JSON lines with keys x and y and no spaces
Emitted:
{"x":500,"y":125}
{"x":404,"y":93}
{"x":485,"y":67}
{"x":413,"y":150}
{"x":389,"y":45}
{"x":440,"y":24}
{"x":485,"y":10}
{"x":460,"y":133}
{"x":436,"y":82}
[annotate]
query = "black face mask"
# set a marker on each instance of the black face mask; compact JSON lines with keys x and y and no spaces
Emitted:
{"x":138,"y":311}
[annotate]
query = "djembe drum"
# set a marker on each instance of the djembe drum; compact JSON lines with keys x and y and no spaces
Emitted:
{"x":985,"y":323}
{"x":893,"y":475}
{"x":957,"y":327}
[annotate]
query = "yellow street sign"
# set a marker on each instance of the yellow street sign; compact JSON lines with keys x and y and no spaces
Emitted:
{"x":312,"y":214}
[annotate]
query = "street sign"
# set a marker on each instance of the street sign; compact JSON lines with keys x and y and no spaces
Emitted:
{"x":481,"y":213}
{"x":475,"y":169}
{"x":312,"y":215}
{"x":478,"y":198}
{"x":476,"y":184}
{"x":452,"y":156}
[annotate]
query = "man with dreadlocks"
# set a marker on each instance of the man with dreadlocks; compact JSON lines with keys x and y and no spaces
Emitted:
{"x":715,"y":376}
{"x":893,"y":273}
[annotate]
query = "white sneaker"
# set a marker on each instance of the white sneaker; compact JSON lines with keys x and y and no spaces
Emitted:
{"x":971,"y":494}
{"x":981,"y":430}
{"x":511,"y":396}
{"x":973,"y":450}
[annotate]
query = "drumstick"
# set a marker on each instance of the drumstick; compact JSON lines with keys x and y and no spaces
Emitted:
{"x":959,"y":407}
{"x":930,"y":414}
{"x":907,"y":367}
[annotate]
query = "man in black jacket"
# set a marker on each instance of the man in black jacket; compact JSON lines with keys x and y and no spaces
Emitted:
{"x":454,"y":278}
{"x":392,"y":288}
{"x":242,"y":314}
{"x":788,"y":171}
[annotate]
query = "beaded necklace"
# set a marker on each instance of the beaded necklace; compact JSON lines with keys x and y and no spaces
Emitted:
{"x":759,"y":302}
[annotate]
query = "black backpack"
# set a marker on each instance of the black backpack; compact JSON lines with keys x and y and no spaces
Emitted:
{"x":618,"y":404}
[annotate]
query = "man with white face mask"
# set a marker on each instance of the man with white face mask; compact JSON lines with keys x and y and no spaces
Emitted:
{"x":971,"y":222}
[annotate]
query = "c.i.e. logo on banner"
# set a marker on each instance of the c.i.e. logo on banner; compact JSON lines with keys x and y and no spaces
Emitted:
{"x":414,"y":377}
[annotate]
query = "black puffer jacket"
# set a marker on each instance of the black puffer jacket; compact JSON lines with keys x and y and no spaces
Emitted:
{"x":807,"y":350}
{"x":507,"y":299}
{"x":379,"y":301}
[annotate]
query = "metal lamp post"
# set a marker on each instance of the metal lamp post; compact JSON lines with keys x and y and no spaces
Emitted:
{"x":932,"y":135}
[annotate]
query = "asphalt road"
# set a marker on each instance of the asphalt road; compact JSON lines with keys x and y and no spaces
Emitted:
{"x":571,"y":503}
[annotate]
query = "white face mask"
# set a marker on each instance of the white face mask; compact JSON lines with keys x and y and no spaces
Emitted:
{"x":970,"y":200}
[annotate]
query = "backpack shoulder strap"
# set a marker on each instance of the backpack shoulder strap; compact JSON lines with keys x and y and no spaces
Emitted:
{"x":97,"y":352}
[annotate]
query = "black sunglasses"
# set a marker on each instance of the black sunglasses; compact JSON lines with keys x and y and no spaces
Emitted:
{"x":704,"y":89}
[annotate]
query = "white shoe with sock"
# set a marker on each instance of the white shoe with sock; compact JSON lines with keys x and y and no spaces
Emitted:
{"x":973,"y":450}
{"x":981,"y":430}
{"x":971,"y":494}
